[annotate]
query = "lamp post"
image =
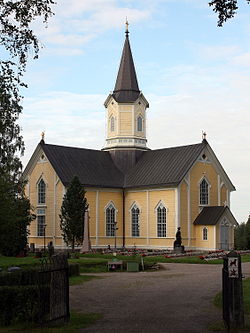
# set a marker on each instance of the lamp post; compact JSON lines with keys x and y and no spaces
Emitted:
{"x":44,"y":237}
{"x":115,"y":229}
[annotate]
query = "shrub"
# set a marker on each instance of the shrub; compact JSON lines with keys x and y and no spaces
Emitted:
{"x":19,"y":278}
{"x":18,"y":303}
{"x":74,"y":269}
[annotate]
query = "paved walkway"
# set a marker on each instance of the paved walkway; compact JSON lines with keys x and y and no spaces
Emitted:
{"x":176,"y":299}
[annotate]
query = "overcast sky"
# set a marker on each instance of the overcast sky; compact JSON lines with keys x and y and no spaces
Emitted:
{"x":194,"y":75}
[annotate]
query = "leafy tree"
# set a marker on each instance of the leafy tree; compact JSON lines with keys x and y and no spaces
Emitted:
{"x":17,"y":41}
{"x":226,"y":9}
{"x":240,"y":242}
{"x":15,"y":218}
{"x":242,"y":236}
{"x":72,"y":213}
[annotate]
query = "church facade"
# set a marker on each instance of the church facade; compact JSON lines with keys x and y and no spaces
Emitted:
{"x":136,"y":196}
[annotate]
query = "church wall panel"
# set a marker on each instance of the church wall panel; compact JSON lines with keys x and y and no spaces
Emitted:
{"x":125,"y":123}
{"x":104,"y":198}
{"x":140,"y":198}
{"x":91,"y":199}
{"x":206,"y":244}
{"x":168,"y":199}
{"x":223,"y":195}
{"x":45,"y":171}
{"x":184,"y":212}
{"x":198,"y":171}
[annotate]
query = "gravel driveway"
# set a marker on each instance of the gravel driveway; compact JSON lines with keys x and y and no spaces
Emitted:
{"x":176,"y":299}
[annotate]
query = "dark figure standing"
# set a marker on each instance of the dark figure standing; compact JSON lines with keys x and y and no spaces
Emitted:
{"x":178,"y":236}
{"x":177,"y":243}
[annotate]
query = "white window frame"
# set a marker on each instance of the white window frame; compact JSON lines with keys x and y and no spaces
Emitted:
{"x":110,"y":232}
{"x":139,"y":125}
{"x":133,"y":225}
{"x":112,"y":124}
{"x":161,"y":205}
{"x":205,"y":233}
{"x":39,"y":201}
{"x":41,"y":221}
{"x":208,"y":192}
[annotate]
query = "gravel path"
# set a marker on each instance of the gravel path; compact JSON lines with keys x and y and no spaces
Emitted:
{"x":176,"y":299}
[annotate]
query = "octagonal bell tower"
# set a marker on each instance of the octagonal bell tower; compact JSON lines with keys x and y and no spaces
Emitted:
{"x":126,"y":110}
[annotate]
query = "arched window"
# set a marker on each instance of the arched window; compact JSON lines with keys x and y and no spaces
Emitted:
{"x":204,"y":192}
{"x":204,"y":233}
{"x":161,"y":221}
{"x":112,"y":124}
{"x":40,"y":222}
{"x":139,"y":124}
{"x":110,"y":220}
{"x":135,"y":212}
{"x":41,"y":192}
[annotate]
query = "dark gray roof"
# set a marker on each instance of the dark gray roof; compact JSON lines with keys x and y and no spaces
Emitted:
{"x":93,"y":167}
{"x":126,"y":87}
{"x":163,"y":167}
{"x":211,"y":215}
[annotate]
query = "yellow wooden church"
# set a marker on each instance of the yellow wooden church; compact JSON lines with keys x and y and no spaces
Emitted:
{"x":147,"y":194}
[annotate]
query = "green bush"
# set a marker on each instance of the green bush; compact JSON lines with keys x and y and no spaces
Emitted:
{"x":18,"y":304}
{"x":74,"y":269}
{"x":19,"y":278}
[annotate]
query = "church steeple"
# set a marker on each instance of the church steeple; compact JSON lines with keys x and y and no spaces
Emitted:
{"x":126,"y":86}
{"x":126,"y":107}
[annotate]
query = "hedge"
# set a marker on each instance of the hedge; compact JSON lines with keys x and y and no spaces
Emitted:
{"x":18,"y":304}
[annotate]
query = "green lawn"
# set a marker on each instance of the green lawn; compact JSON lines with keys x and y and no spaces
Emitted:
{"x":219,"y":326}
{"x":246,"y":297}
{"x":75,"y":280}
{"x":77,"y":321}
{"x":96,"y":262}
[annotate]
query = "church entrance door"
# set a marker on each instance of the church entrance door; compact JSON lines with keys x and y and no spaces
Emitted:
{"x":224,"y":235}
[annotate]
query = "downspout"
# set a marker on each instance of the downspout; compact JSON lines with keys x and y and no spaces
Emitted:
{"x":123,"y":218}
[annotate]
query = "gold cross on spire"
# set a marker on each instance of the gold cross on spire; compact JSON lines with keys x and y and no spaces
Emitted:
{"x":43,"y":135}
{"x":127,"y":24}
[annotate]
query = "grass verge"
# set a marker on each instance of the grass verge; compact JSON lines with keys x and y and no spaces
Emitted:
{"x":77,"y":321}
{"x":76,"y":280}
{"x":219,"y":326}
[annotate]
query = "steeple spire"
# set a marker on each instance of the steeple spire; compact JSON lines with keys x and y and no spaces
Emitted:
{"x":126,"y":86}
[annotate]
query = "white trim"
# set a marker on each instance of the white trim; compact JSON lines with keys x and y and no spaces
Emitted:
{"x":189,"y":210}
{"x":160,"y":203}
{"x":94,"y":189}
{"x":133,"y":120}
{"x":218,"y":189}
{"x":215,"y":237}
{"x":148,"y":226}
{"x":218,"y":167}
{"x":152,"y":190}
{"x":135,"y":203}
{"x":178,"y":206}
{"x":228,"y":198}
{"x":97,"y":217}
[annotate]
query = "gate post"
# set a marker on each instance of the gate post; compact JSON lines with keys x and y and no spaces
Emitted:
{"x":233,"y":313}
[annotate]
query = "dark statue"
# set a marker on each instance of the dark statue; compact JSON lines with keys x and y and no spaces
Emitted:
{"x":177,"y":243}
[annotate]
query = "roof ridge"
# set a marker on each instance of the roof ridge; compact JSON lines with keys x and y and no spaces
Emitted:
{"x":174,"y":147}
{"x":71,"y":147}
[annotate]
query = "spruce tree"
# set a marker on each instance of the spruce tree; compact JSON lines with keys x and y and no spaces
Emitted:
{"x":73,"y":208}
